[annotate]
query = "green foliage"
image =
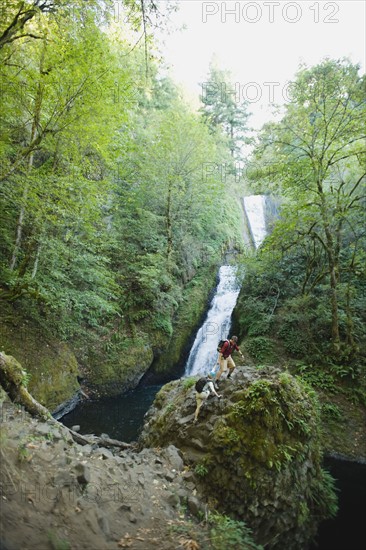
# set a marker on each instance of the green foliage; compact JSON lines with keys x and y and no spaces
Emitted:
{"x":259,"y":347}
{"x":164,"y":324}
{"x":189,"y":383}
{"x":108,"y":212}
{"x":54,"y":172}
{"x":228,"y":438}
{"x":201,"y":470}
{"x":323,"y":493}
{"x":230,"y":534}
{"x":222,"y":112}
{"x":26,"y":376}
{"x":318,"y":377}
{"x":331,"y":411}
{"x":305,"y":290}
{"x":279,"y":406}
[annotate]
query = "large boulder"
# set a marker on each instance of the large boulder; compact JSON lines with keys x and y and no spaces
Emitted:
{"x":255,"y":454}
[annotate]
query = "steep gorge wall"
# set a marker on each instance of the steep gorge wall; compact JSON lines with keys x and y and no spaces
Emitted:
{"x":109,"y":365}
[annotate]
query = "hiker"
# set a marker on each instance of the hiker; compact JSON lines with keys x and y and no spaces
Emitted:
{"x":204,"y":387}
{"x":225,"y":360}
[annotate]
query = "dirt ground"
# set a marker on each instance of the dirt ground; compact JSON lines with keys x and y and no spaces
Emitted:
{"x":59,"y":495}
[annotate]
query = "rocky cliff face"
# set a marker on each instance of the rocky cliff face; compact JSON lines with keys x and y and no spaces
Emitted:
{"x":256,"y":453}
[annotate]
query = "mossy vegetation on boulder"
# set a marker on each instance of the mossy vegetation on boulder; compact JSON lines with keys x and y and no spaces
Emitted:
{"x":118,"y":364}
{"x":256,"y":452}
{"x":51,"y":366}
{"x":196,"y":296}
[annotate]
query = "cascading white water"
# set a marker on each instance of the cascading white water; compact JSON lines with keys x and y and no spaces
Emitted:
{"x":216,"y":326}
{"x":254,"y":207}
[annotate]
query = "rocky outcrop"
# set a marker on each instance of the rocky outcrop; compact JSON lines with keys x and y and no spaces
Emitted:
{"x":256,"y":453}
{"x":58,"y":494}
{"x":116,"y":367}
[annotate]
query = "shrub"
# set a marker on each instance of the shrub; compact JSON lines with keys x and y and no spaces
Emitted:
{"x":230,"y":534}
{"x":201,"y":470}
{"x":259,"y":347}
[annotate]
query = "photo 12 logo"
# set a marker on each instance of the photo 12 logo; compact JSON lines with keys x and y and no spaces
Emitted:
{"x":270,"y":12}
{"x":247,"y":92}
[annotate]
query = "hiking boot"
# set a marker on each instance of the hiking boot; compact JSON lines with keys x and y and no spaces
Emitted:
{"x":229,"y":375}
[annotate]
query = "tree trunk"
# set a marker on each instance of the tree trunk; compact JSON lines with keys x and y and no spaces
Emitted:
{"x":333,"y":272}
{"x":12,"y":380}
{"x":18,"y":239}
{"x":349,"y":318}
{"x":33,"y":138}
{"x":169,"y":224}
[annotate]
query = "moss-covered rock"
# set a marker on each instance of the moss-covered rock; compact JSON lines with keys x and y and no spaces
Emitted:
{"x":256,"y":451}
{"x":49,"y":363}
{"x":196,"y":295}
{"x":119,"y":366}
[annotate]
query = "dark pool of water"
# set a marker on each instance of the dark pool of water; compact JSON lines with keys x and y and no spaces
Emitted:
{"x":348,"y":530}
{"x":120,"y":417}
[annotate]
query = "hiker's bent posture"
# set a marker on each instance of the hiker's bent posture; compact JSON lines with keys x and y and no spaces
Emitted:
{"x":204,"y":387}
{"x":224,"y":359}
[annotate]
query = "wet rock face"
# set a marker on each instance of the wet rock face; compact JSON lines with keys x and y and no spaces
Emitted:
{"x":255,"y":453}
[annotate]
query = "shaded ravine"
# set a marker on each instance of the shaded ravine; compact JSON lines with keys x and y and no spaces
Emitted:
{"x":122,"y":417}
{"x":105,"y":415}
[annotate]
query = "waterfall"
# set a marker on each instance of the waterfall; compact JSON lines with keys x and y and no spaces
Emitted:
{"x":254,"y":207}
{"x":216,"y":326}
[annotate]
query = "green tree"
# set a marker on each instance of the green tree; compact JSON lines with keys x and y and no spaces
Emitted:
{"x":60,"y":115}
{"x":315,"y":157}
{"x":169,"y":215}
{"x":224,"y":108}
